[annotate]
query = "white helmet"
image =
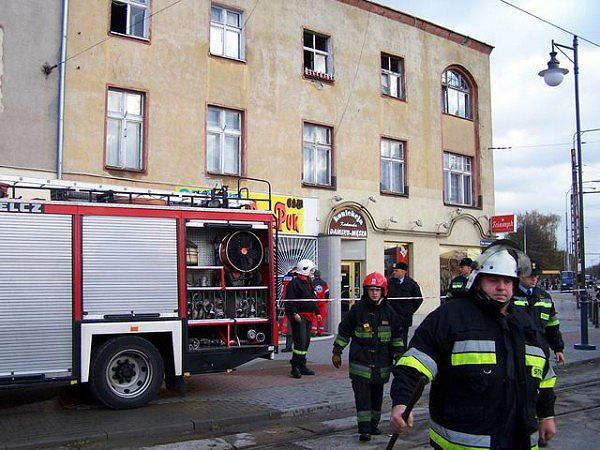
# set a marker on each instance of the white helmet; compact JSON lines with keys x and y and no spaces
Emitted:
{"x":305,"y":267}
{"x":501,"y":258}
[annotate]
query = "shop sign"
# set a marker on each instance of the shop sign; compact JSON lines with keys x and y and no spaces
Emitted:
{"x":503,"y":224}
{"x":348,"y":223}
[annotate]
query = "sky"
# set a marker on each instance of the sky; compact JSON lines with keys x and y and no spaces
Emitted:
{"x":536,"y":120}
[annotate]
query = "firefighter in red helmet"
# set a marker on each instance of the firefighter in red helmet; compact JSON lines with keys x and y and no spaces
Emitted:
{"x":374,"y":332}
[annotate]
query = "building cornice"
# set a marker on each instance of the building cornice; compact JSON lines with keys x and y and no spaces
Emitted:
{"x":421,"y":24}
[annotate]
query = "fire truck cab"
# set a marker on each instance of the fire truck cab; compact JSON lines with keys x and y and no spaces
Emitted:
{"x":122,"y":288}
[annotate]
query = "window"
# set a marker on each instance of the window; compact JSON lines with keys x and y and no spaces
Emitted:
{"x":124,"y":129}
{"x":130,"y":17}
{"x":392,"y":166}
{"x":317,"y":155}
{"x":456,"y":94}
{"x":392,"y":76}
{"x":317,"y":56}
{"x":394,"y":252}
{"x":226,"y":32}
{"x":223,"y":141}
{"x":458,"y":176}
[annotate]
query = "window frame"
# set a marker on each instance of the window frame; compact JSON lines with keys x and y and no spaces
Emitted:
{"x":129,"y":4}
{"x":222,"y":135}
{"x":314,"y":144}
{"x":390,"y":73}
{"x":448,"y":171}
{"x":402,"y":160}
{"x":224,"y":27}
{"x":463,"y":90}
{"x":124,"y":117}
{"x":328,"y":75}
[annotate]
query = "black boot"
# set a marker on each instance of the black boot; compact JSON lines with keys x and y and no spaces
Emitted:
{"x":296,"y":371}
{"x":364,"y":437}
{"x":305,"y":370}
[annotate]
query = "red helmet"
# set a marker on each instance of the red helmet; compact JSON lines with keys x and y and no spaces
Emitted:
{"x":375,"y":279}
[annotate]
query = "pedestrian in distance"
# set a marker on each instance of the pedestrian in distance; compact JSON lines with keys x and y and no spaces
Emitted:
{"x":457,"y":287}
{"x":374,"y":332}
{"x":538,"y":303}
{"x":491,"y":378}
{"x":322,"y":292}
{"x":300,"y":307}
{"x":404,"y":295}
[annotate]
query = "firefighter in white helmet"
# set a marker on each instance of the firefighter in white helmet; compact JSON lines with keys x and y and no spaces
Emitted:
{"x":491,"y":380}
{"x":300,"y":309}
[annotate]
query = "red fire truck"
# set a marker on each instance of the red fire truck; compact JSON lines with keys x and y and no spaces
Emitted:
{"x":123,"y":288}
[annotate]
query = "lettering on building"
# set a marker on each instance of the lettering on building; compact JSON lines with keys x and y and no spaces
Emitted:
{"x":348,"y":223}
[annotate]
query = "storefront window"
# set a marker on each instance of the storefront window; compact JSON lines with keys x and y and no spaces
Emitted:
{"x":393,"y":253}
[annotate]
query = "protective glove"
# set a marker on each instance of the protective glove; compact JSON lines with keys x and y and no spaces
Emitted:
{"x":336,"y":359}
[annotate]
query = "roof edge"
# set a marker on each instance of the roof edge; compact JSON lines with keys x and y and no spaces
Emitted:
{"x":421,"y":24}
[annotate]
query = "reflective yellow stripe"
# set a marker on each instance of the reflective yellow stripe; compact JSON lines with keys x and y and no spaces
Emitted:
{"x":544,"y":316}
{"x":536,"y":361}
{"x":552,"y":323}
{"x":299,"y":352}
{"x":413,"y":362}
{"x":549,"y":383}
{"x":447,"y":445}
{"x":520,"y":302}
{"x":543,"y":304}
{"x":459,"y":359}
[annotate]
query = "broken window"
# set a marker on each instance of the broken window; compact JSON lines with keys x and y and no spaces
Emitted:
{"x":317,"y":54}
{"x":130,"y":17}
{"x":392,"y":76}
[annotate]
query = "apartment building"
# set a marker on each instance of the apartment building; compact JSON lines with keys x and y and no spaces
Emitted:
{"x":371,"y":125}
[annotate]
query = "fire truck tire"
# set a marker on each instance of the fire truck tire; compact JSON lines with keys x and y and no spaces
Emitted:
{"x":126,"y":372}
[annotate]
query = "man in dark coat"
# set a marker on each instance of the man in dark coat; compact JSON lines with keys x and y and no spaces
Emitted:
{"x":458,"y":284}
{"x":405,"y":296}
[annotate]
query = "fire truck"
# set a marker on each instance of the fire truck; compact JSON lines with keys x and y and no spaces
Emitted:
{"x":125,"y":288}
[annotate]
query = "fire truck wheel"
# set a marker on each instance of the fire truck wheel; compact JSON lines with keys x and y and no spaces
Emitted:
{"x":126,"y":372}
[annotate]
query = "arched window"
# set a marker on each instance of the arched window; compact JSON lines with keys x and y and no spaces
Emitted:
{"x":456,"y":94}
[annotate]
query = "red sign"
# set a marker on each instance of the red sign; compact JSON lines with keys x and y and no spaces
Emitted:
{"x":503,"y":224}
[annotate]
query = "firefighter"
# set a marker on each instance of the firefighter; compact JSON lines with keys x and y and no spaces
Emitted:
{"x":299,"y":312}
{"x":322,"y":291}
{"x":492,"y":383}
{"x":458,"y":284}
{"x":376,"y":333}
{"x":540,"y":306}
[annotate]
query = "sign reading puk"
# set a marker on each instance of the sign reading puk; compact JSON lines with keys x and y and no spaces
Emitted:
{"x":348,"y":222}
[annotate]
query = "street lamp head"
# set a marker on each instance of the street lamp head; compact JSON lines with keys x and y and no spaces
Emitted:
{"x":553,"y":75}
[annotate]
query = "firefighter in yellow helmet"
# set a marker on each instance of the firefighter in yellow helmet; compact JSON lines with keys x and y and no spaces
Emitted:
{"x":491,"y":380}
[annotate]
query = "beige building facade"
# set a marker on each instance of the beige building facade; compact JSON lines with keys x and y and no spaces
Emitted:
{"x":376,"y":123}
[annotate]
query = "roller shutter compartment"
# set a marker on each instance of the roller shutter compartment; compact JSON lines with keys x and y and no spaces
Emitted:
{"x":129,"y":265}
{"x":36,"y":296}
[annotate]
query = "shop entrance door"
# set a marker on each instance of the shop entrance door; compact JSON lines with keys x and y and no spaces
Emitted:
{"x":351,"y":278}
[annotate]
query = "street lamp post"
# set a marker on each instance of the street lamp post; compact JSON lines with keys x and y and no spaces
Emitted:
{"x":553,"y":76}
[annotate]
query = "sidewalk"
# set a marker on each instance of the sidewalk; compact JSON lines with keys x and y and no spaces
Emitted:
{"x":260,"y":390}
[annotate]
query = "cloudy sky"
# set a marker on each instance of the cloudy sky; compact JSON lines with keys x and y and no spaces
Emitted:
{"x":536,"y":120}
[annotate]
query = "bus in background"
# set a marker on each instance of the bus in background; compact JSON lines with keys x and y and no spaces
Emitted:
{"x":567,"y":280}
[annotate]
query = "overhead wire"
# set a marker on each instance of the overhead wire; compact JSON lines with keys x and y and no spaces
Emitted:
{"x":549,"y":23}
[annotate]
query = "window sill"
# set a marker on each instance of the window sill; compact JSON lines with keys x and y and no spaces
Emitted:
{"x":458,"y":205}
{"x":228,"y":58}
{"x":318,"y":186}
{"x":470,"y":119}
{"x":394,"y":194}
{"x":401,"y":99}
{"x":314,"y":75}
{"x":130,"y":36}
{"x":219,"y":174}
{"x":124,"y":169}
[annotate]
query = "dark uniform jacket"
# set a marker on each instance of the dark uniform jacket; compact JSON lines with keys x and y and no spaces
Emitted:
{"x":486,"y":369}
{"x":541,"y":308}
{"x":376,"y":334}
{"x":457,"y":286}
{"x":301,"y":288}
{"x":404,"y":308}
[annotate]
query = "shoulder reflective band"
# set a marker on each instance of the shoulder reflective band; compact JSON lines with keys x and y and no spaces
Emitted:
{"x":419,"y":361}
{"x":534,"y":356}
{"x":455,"y":440}
{"x":473,"y":352}
{"x":341,"y":341}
